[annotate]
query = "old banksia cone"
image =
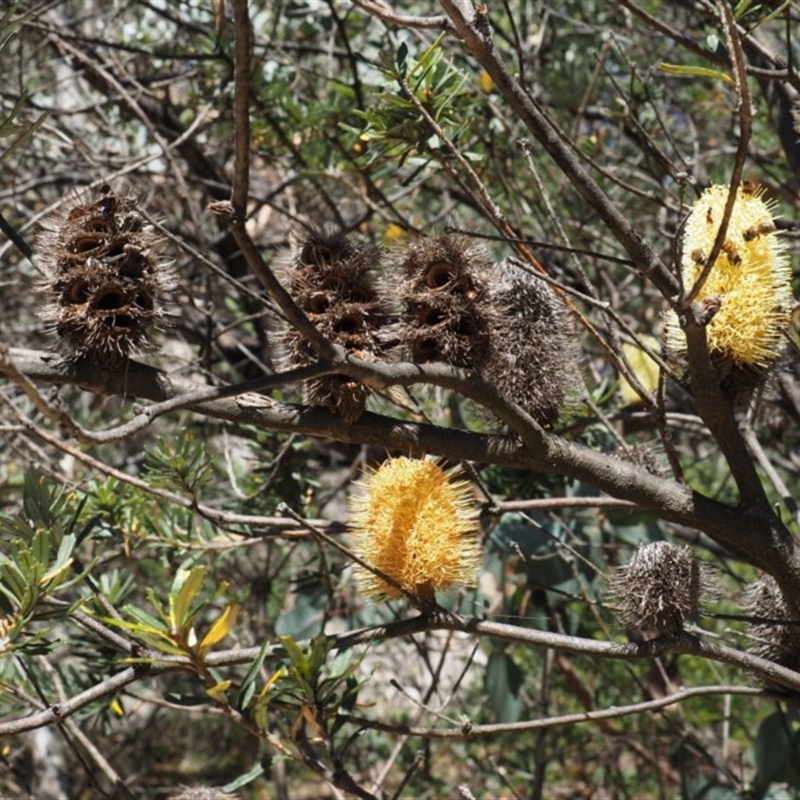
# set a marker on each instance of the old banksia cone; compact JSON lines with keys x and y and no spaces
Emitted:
{"x":534,"y":353}
{"x":104,"y":276}
{"x":661,"y":588}
{"x":331,"y":276}
{"x":504,"y":323}
{"x":415,"y":523}
{"x":750,"y":279}
{"x":770,"y":639}
{"x":443,"y":291}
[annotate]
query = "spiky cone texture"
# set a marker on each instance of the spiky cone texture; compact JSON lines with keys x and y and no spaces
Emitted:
{"x":534,"y":353}
{"x":773,"y":641}
{"x":661,"y":588}
{"x":646,"y":455}
{"x":751,"y":278}
{"x":443,"y":293}
{"x":415,"y":522}
{"x":332,"y":277}
{"x":104,"y":275}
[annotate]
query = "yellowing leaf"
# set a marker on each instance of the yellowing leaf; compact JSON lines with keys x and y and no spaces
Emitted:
{"x":487,"y":84}
{"x":644,"y":368}
{"x":695,"y":72}
{"x":184,"y":589}
{"x":55,"y":572}
{"x":221,"y":628}
{"x":279,"y":673}
{"x":217,"y":691}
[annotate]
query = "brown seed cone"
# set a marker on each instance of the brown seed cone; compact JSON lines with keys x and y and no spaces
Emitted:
{"x":104,"y":276}
{"x":660,"y":588}
{"x":446,"y":317}
{"x":647,"y":455}
{"x":775,"y":642}
{"x":332,"y":277}
{"x":534,"y":354}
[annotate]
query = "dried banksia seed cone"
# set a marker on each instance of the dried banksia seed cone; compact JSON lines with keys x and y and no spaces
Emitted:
{"x":749,"y":282}
{"x":104,"y":276}
{"x":534,"y":353}
{"x":770,"y":639}
{"x":444,"y":291}
{"x":415,"y":522}
{"x":660,"y":588}
{"x":331,"y":276}
{"x":645,"y":455}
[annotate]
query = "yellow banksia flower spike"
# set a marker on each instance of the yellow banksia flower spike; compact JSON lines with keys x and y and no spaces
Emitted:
{"x":751,"y":277}
{"x":415,"y":522}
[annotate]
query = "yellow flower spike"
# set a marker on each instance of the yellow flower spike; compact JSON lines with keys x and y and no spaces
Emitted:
{"x":751,"y":276}
{"x":415,"y":522}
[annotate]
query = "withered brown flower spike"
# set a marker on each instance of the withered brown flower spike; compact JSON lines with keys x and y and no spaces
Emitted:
{"x":331,"y":276}
{"x":770,"y":639}
{"x":446,"y":317}
{"x":104,"y":275}
{"x":534,"y":355}
{"x":661,"y":588}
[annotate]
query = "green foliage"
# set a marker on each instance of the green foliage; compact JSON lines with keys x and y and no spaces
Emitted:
{"x":179,"y":463}
{"x":37,"y":563}
{"x":394,"y":126}
{"x":776,"y":752}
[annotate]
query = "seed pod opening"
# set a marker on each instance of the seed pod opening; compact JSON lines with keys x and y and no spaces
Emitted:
{"x":446,"y":317}
{"x":104,"y":276}
{"x":332,"y":277}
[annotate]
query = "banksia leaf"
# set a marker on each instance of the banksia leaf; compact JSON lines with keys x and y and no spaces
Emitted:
{"x":534,"y":350}
{"x":444,"y":291}
{"x":416,"y":524}
{"x":770,"y":639}
{"x":332,"y":277}
{"x":750,"y":279}
{"x":660,"y":588}
{"x":104,"y":276}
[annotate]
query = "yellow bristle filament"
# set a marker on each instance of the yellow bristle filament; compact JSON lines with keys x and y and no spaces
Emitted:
{"x":415,"y":523}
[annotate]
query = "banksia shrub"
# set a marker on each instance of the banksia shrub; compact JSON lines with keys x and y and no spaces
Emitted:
{"x":750,"y":280}
{"x":415,"y":523}
{"x":104,"y":276}
{"x":660,"y":588}
{"x":534,"y":351}
{"x":770,"y":639}
{"x":331,"y":276}
{"x":444,"y":290}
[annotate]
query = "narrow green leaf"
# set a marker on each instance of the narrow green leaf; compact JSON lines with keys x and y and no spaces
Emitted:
{"x":300,"y":661}
{"x":256,"y":772}
{"x":13,"y":579}
{"x":695,"y":72}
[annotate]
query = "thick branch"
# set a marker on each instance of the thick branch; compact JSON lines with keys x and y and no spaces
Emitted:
{"x":754,"y":534}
